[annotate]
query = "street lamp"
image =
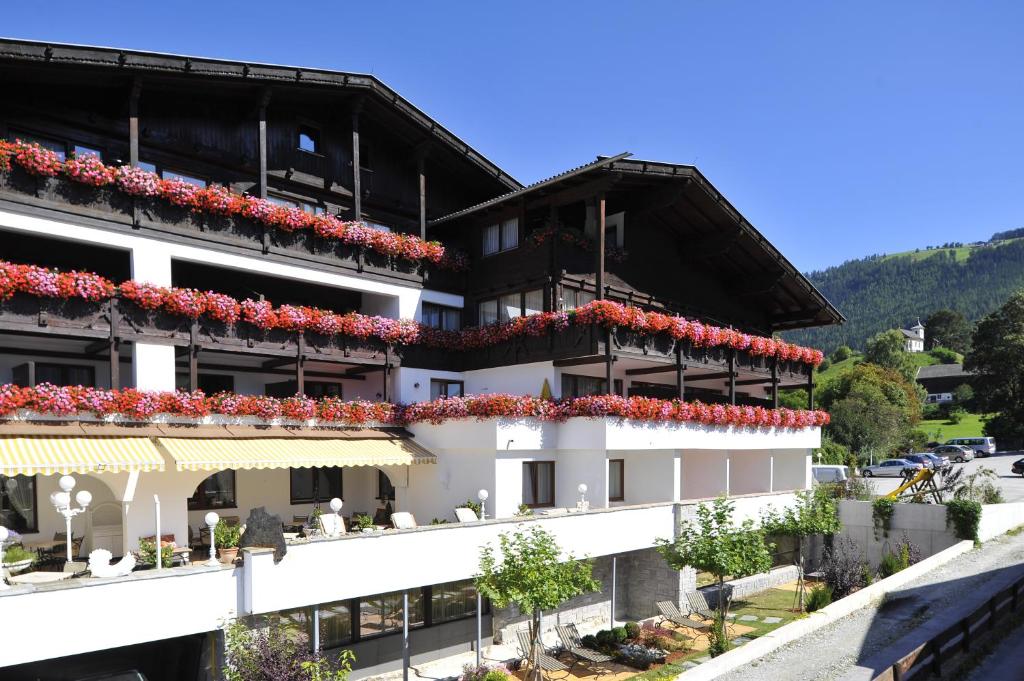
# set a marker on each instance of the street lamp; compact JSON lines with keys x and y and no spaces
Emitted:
{"x":482,"y":496}
{"x":339,"y":525}
{"x":211,"y":521}
{"x":62,"y":502}
{"x":582,"y":489}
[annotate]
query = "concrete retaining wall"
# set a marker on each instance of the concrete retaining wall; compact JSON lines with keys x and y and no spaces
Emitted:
{"x":748,"y":586}
{"x":925,"y":525}
{"x":997,"y":519}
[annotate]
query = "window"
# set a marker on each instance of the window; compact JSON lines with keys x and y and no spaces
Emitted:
{"x":81,"y":151}
{"x":65,"y":374}
{"x":488,"y":312}
{"x":313,"y":485}
{"x":56,"y":146}
{"x":539,"y":483}
{"x":441,"y":387}
{"x":533,"y":302}
{"x":382,"y":614}
{"x":335,"y":624}
{"x":442,"y":317}
{"x":18,"y":510}
{"x":503,"y":236}
{"x":286,"y":202}
{"x":385,"y":490}
{"x":309,"y":139}
{"x":168,"y":174}
{"x":211,"y":384}
{"x":379,"y":227}
{"x":616,"y":480}
{"x":510,"y":306}
{"x":584,"y":386}
{"x":217,"y":491}
{"x":573,"y":298}
{"x":452,"y":601}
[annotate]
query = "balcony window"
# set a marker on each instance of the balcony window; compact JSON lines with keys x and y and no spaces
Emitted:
{"x":510,"y":306}
{"x":499,"y":237}
{"x":616,"y":480}
{"x":81,"y":151}
{"x":378,"y":226}
{"x":335,"y":624}
{"x":452,"y":601}
{"x":217,"y":491}
{"x":533,"y":302}
{"x":313,"y":485}
{"x":539,"y":483}
{"x":585,"y":386}
{"x":56,"y":146}
{"x":442,"y":317}
{"x":184,"y":177}
{"x":65,"y":374}
{"x":488,"y":312}
{"x":382,"y":614}
{"x":18,"y":509}
{"x":573,"y":298}
{"x":309,"y":139}
{"x":440,"y":387}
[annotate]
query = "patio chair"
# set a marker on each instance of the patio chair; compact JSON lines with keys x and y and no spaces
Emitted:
{"x":465,"y":515}
{"x":670,"y":613}
{"x":572,"y":643}
{"x":403,"y":520}
{"x":699,"y":605}
{"x":60,"y":550}
{"x":332,"y":525}
{"x":547,"y":662}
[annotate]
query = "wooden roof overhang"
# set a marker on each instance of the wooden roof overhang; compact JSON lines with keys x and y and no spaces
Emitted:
{"x":114,"y":67}
{"x":714,"y":234}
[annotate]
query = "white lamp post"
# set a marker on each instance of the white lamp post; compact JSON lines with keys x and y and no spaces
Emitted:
{"x":211,"y":521}
{"x":336,"y":505}
{"x":582,"y":489}
{"x":482,"y":496}
{"x":4,"y":534}
{"x":62,"y":502}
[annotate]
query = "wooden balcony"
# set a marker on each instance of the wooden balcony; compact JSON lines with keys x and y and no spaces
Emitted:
{"x":108,"y":208}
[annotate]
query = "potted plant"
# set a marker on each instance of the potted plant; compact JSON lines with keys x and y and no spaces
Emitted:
{"x":364,"y":523}
{"x":17,"y":558}
{"x":147,"y":553}
{"x":226,"y":537}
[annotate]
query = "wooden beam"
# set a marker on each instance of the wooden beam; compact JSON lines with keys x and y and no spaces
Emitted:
{"x":580,"y":192}
{"x":300,"y":363}
{"x":357,"y":180}
{"x":115,"y":344}
{"x":775,"y":383}
{"x":279,"y":362}
{"x":732,"y":377}
{"x":193,"y":355}
{"x":364,"y":369}
{"x":261,"y":181}
{"x":680,"y":374}
{"x":599,"y":246}
{"x":755,"y":381}
{"x":133,"y":122}
{"x":810,"y":389}
{"x":580,"y":361}
{"x":714,"y":376}
{"x":96,"y":347}
{"x":660,"y":369}
{"x":719,"y":243}
{"x":421,"y":163}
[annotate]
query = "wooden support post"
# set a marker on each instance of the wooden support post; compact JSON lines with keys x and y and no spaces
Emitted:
{"x":421,"y":163}
{"x":386,"y":372}
{"x":261,"y":182}
{"x":599,"y":265}
{"x":732,"y":377}
{"x":193,"y":356}
{"x":115,"y":345}
{"x":608,"y":361}
{"x":810,"y":389}
{"x":357,"y":180}
{"x":680,"y":370}
{"x":133,"y":122}
{"x":775,"y":383}
{"x":300,"y":363}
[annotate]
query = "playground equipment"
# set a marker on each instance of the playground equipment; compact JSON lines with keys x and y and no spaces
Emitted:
{"x":917,"y":483}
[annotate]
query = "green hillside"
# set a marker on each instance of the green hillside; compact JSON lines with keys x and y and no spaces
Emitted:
{"x":890,"y":291}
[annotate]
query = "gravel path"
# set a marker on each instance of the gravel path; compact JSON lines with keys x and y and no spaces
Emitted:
{"x":831,"y":651}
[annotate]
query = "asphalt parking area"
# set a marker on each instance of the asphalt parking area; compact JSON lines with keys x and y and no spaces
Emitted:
{"x":1011,"y":485}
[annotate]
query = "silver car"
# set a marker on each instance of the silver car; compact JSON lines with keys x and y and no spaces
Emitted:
{"x":890,"y":468}
{"x":957,"y":453}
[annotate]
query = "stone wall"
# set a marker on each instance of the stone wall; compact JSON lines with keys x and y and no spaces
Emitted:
{"x":747,"y":586}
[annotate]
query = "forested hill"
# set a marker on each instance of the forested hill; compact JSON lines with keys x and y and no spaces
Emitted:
{"x":885,"y":292}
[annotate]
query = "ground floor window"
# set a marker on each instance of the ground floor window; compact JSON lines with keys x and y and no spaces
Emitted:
{"x":313,"y":485}
{"x":441,"y":387}
{"x":382,"y":614}
{"x":584,"y":386}
{"x":18,"y":510}
{"x":539,"y":483}
{"x":385,"y":490}
{"x":452,"y":601}
{"x":217,"y":491}
{"x":616,"y":480}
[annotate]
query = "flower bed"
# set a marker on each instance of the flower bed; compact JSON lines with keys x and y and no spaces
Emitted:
{"x":142,"y":405}
{"x":49,"y":283}
{"x":218,"y":200}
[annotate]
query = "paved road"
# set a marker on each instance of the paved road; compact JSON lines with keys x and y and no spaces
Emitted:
{"x":1011,"y":485}
{"x":832,"y":652}
{"x":1006,"y":661}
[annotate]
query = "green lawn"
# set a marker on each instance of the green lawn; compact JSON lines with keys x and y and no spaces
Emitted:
{"x":770,"y":603}
{"x":972,"y":425}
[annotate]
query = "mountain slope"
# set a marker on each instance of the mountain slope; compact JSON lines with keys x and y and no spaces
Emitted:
{"x":885,"y":292}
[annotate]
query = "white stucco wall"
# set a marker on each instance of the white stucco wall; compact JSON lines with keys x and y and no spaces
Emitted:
{"x":521,"y":379}
{"x":750,"y":471}
{"x":705,"y":473}
{"x":649,"y":477}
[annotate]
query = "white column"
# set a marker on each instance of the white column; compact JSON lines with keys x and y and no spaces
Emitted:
{"x":727,"y":474}
{"x":771,"y":472}
{"x":152,"y":365}
{"x":677,"y":475}
{"x":151,"y":262}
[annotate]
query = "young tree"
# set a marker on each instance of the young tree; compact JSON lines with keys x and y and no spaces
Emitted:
{"x":530,"y":573}
{"x":815,"y":512}
{"x":713,"y":543}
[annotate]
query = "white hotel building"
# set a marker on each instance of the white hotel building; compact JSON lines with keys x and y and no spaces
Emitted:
{"x":653,"y":236}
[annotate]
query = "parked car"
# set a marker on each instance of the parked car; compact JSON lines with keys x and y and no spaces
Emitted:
{"x":982,"y":446}
{"x":1018,"y":467}
{"x":957,"y":453}
{"x":891,"y":468}
{"x":830,"y":474}
{"x":937,"y":460}
{"x":921,"y":459}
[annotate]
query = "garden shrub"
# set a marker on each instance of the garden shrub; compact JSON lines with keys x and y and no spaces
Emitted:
{"x":278,"y":653}
{"x":890,"y":565}
{"x":147,"y":553}
{"x":819,"y":597}
{"x":632,"y":630}
{"x":620,"y":635}
{"x":605,"y":638}
{"x":484,"y":672}
{"x":842,"y":353}
{"x":965,"y":516}
{"x":718,"y":637}
{"x":902,"y":556}
{"x":944,"y":355}
{"x":16,"y":554}
{"x":843,"y":567}
{"x":589,"y":641}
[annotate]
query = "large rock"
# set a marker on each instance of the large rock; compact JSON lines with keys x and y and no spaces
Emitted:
{"x":264,"y":530}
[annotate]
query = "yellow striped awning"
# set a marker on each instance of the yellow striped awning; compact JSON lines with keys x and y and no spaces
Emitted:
{"x":31,"y":455}
{"x":212,"y":454}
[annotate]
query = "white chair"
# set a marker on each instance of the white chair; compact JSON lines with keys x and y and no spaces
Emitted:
{"x":332,"y":525}
{"x":403,"y":520}
{"x":465,"y":515}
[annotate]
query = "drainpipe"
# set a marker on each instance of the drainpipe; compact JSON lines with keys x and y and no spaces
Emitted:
{"x":159,"y":552}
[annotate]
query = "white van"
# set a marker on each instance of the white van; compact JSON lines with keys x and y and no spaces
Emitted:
{"x":982,"y":446}
{"x":830,"y":474}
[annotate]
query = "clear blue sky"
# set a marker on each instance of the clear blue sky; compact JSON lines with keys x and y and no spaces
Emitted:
{"x":838,"y":129}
